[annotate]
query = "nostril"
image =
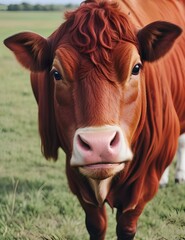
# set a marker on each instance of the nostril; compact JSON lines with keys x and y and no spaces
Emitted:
{"x":115,"y":140}
{"x":83,"y":143}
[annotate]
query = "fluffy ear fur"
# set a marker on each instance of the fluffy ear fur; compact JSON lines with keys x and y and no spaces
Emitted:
{"x":30,"y":49}
{"x":156,"y":39}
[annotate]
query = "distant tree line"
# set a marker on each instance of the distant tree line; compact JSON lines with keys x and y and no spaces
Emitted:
{"x":37,"y":7}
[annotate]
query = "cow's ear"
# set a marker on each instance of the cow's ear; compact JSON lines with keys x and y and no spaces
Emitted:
{"x":30,"y":49}
{"x":156,"y":39}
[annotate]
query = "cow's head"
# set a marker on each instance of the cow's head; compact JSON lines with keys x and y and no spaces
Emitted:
{"x":94,"y":65}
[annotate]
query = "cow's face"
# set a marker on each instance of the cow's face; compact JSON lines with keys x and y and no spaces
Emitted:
{"x":97,"y":109}
{"x":94,"y":60}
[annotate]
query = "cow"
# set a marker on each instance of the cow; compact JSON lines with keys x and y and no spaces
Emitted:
{"x":110,"y":83}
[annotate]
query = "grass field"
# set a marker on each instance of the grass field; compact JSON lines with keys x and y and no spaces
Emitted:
{"x":35,"y":202}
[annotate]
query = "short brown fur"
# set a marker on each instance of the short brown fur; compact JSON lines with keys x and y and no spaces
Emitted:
{"x":92,"y":45}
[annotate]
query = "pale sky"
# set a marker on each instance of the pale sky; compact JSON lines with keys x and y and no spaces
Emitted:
{"x":40,"y":1}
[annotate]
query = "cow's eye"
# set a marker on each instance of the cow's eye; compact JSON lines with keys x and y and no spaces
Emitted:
{"x":57,"y":76}
{"x":136,"y":69}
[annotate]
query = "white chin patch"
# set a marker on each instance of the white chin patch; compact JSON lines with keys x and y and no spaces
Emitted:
{"x":101,"y":189}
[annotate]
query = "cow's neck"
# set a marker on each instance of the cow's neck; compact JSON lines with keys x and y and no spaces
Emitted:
{"x":101,"y":188}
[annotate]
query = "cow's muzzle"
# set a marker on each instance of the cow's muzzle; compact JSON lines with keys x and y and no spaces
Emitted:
{"x":100,"y":152}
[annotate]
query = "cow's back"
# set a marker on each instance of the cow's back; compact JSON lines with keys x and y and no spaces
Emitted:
{"x":144,"y":12}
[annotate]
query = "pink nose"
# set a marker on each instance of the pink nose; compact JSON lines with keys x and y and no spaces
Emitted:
{"x":101,"y":145}
{"x":96,"y":145}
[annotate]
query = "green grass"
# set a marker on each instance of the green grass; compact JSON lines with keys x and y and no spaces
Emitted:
{"x":35,"y":201}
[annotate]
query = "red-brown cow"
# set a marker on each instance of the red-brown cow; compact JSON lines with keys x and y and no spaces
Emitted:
{"x":110,"y":86}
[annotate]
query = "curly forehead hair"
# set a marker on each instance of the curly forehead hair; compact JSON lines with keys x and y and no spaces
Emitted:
{"x":96,"y":26}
